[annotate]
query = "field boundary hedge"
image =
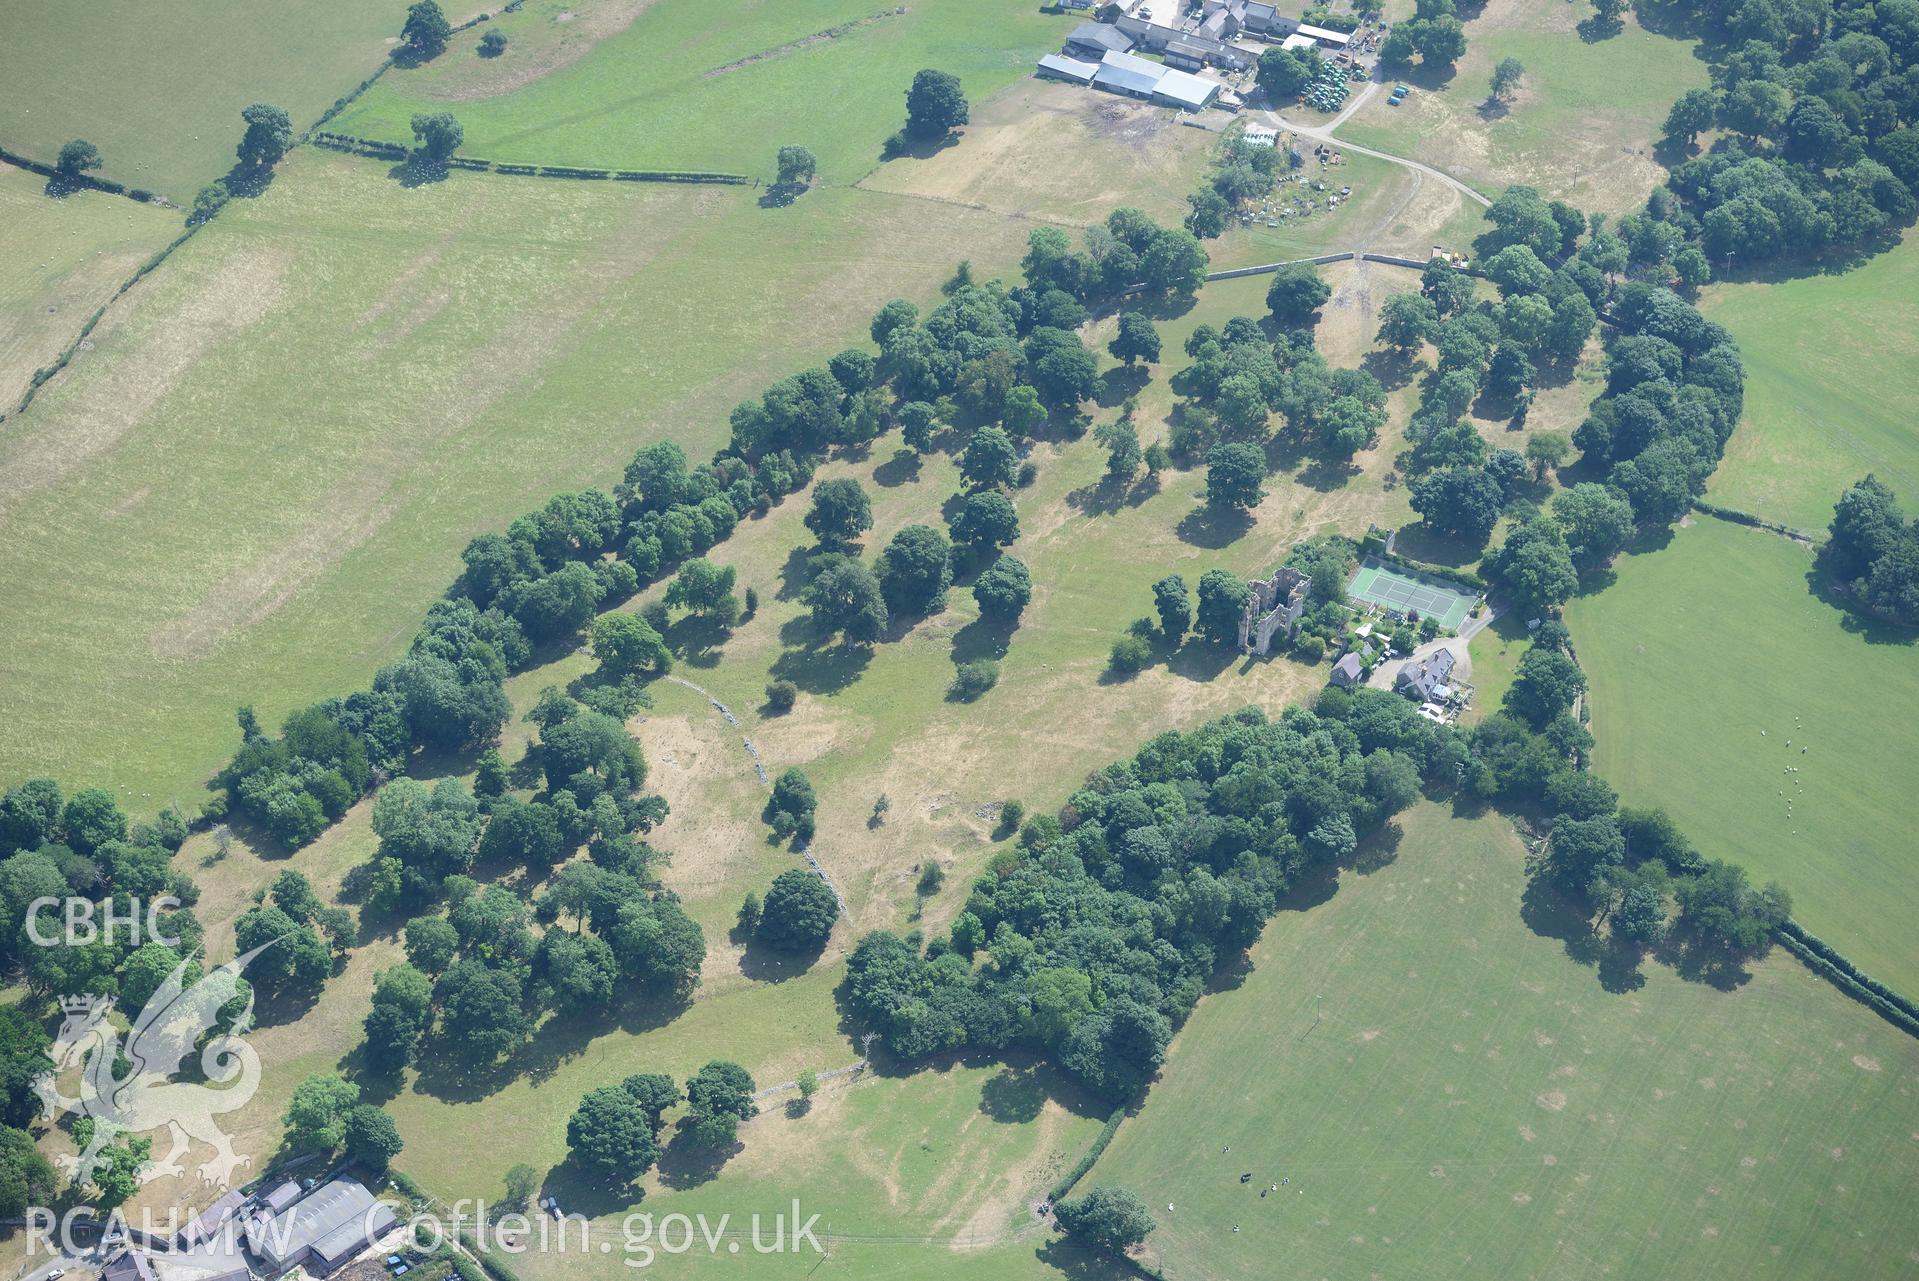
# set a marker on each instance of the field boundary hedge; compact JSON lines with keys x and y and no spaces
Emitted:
{"x":1828,"y":962}
{"x":1734,"y":516}
{"x":1463,"y":577}
{"x":107,"y":185}
{"x":376,"y":149}
{"x":1093,"y":1153}
{"x":47,"y":372}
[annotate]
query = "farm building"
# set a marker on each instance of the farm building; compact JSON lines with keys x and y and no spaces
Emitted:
{"x":1152,"y":36}
{"x":1075,"y":4}
{"x":1325,"y":35}
{"x":1093,"y":40}
{"x":1426,"y":680}
{"x":209,"y":1221}
{"x":1186,"y":55}
{"x":281,"y":1197}
{"x":1246,"y":15}
{"x":1123,"y":73}
{"x":322,"y":1230}
{"x":130,"y":1265}
{"x":1187,"y":92}
{"x":1348,"y":672}
{"x":1057,"y":66}
{"x":1298,"y":41}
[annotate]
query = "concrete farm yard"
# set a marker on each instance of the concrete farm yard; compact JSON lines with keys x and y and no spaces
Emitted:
{"x":1446,"y":1051}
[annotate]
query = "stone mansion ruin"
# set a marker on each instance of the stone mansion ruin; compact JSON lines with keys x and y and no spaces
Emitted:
{"x":1274,"y":606}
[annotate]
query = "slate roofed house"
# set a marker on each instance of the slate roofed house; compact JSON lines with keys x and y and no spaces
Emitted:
{"x":1092,"y":40}
{"x":1057,"y":66}
{"x":1261,"y":17}
{"x":1424,"y":678}
{"x":322,"y":1230}
{"x":1348,"y":672}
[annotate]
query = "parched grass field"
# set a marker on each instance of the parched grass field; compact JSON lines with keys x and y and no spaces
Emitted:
{"x":159,"y":89}
{"x":253,"y":485}
{"x":1700,"y":647}
{"x":1467,"y":1101}
{"x":1832,"y":375}
{"x":951,"y":1155}
{"x":680,"y":88}
{"x":64,"y":259}
{"x":1582,"y":127}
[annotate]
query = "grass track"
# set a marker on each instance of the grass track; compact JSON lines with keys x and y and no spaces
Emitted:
{"x":1699,"y":647}
{"x":1474,"y":1104}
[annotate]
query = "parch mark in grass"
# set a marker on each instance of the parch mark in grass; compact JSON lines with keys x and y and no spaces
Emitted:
{"x":807,"y":42}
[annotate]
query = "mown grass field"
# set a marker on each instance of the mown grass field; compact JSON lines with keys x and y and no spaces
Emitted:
{"x":680,"y":88}
{"x":1467,"y":1101}
{"x":1700,"y":647}
{"x":160,"y":89}
{"x":65,"y":258}
{"x":1582,"y":126}
{"x":1832,"y":374}
{"x":253,"y":485}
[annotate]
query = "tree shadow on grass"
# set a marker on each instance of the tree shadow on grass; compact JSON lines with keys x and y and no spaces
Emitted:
{"x":984,"y":637}
{"x":1548,"y":915}
{"x":687,"y":1163}
{"x":823,"y":670}
{"x":765,"y":964}
{"x":1201,"y":660}
{"x":1422,"y":542}
{"x":1074,"y":1260}
{"x":1119,"y":382}
{"x":697,"y":639}
{"x":1826,"y":588}
{"x":416,"y":171}
{"x":587,"y":1192}
{"x":1213,"y":528}
{"x":902,"y":467}
{"x":1377,"y":850}
{"x":448,"y":1073}
{"x":1014,"y":1096}
{"x":1393,"y":368}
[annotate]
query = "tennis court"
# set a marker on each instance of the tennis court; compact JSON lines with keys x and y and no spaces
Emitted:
{"x":1396,"y":589}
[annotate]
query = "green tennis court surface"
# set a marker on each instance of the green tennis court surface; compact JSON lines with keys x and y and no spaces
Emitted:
{"x":1395,"y":589}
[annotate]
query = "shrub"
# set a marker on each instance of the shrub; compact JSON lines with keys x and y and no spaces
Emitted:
{"x":1310,"y":648}
{"x":1130,"y":654}
{"x":974,"y":678}
{"x":781,"y":695}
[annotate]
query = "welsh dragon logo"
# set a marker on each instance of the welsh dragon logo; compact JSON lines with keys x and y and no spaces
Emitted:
{"x":130,"y":1087}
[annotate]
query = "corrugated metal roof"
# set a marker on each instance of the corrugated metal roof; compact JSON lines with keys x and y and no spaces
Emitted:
{"x":1190,"y":91}
{"x":1071,"y":68}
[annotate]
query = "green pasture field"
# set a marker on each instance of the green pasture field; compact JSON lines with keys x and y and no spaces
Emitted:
{"x":684,"y":88}
{"x":1700,"y":647}
{"x":1832,"y":375}
{"x":1440,"y":1091}
{"x":263,"y":472}
{"x":1582,"y":127}
{"x":64,"y":259}
{"x":159,"y":89}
